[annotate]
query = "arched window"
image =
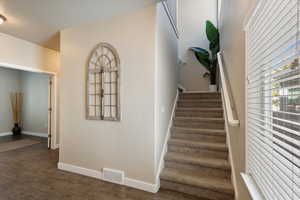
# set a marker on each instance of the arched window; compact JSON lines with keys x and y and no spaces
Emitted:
{"x":103,"y":102}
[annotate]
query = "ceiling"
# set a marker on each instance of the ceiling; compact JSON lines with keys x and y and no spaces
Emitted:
{"x":40,"y":21}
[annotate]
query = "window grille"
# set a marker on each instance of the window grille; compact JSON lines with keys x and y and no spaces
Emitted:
{"x":273,"y":99}
{"x":103,"y":102}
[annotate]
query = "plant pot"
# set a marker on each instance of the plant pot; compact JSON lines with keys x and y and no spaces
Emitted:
{"x":213,"y":88}
{"x":16,"y":130}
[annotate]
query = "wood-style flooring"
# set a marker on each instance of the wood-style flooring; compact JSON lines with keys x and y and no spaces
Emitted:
{"x":31,"y":174}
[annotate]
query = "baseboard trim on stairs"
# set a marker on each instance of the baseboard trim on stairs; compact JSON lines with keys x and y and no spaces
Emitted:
{"x":5,"y":134}
{"x":161,"y":164}
{"x":129,"y":182}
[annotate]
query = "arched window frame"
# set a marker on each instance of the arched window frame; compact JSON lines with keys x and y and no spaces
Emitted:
{"x":103,"y":84}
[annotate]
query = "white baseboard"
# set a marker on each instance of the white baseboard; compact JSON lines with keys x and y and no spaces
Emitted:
{"x":161,"y":164}
{"x":133,"y":183}
{"x":5,"y":134}
{"x":44,"y":135}
{"x":252,"y":187}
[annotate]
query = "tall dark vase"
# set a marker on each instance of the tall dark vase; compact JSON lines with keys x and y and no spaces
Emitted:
{"x":16,"y":130}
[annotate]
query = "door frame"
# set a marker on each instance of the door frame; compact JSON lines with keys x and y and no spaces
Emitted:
{"x":52,"y":120}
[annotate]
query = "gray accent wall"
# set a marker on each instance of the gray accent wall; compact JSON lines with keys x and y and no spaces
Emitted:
{"x":35,"y":100}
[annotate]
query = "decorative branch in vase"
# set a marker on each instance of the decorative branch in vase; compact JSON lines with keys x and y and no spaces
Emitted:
{"x":210,"y":60}
{"x":16,"y":105}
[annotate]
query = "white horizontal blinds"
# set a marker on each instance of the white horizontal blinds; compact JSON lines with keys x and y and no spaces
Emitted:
{"x":273,"y":49}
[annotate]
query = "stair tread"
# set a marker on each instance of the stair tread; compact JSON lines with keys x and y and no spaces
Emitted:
{"x":191,"y":93}
{"x":200,"y":118}
{"x":200,"y":100}
{"x":197,"y":144}
{"x":198,"y":109}
{"x":199,"y":130}
{"x":196,"y":160}
{"x":193,"y":179}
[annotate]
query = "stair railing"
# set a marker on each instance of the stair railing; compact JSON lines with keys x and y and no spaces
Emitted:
{"x":225,"y":95}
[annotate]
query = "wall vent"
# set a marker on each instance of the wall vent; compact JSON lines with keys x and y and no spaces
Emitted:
{"x":114,"y":176}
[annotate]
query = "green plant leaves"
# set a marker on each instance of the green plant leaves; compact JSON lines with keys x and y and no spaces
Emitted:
{"x":202,"y":56}
{"x":212,"y":32}
{"x":213,"y":36}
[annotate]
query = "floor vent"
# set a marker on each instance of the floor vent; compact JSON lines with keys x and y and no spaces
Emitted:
{"x":114,"y":176}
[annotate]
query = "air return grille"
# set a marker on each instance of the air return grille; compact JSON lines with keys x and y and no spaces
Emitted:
{"x":114,"y":176}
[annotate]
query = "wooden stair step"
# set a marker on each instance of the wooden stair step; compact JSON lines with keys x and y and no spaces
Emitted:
{"x":196,"y":160}
{"x":188,"y":178}
{"x":202,"y":131}
{"x":196,"y":144}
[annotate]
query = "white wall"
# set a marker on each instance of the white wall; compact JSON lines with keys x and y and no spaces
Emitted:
{"x":35,"y":102}
{"x":9,"y":82}
{"x":127,"y":145}
{"x":192,"y":15}
{"x":166,"y":77}
{"x":20,"y":52}
{"x":233,"y":13}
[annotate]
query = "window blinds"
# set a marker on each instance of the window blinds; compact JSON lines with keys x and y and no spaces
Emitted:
{"x":273,"y":99}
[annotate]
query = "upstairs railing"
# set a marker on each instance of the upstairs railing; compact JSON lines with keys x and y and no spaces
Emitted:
{"x":225,"y":94}
{"x":171,"y":18}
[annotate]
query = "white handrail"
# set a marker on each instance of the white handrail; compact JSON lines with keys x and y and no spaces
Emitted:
{"x":228,"y":108}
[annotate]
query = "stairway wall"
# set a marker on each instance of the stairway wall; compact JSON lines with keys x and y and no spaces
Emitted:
{"x":166,"y":78}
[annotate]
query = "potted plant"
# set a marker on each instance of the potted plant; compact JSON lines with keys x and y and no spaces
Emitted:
{"x":209,"y":59}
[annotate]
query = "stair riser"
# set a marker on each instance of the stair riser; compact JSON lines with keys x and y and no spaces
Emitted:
{"x":200,"y":138}
{"x":196,"y":191}
{"x":183,"y":131}
{"x":199,"y":105}
{"x":212,"y":172}
{"x":199,"y":124}
{"x":200,"y":96}
{"x":199,"y":114}
{"x":200,"y":152}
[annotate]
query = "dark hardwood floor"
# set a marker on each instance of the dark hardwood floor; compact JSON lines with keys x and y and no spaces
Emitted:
{"x":31,"y":174}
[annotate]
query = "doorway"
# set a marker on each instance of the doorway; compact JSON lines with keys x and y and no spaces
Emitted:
{"x":35,"y":91}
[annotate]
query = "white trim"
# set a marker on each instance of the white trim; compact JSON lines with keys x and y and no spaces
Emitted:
{"x":133,"y":183}
{"x":228,"y":105}
{"x":161,"y":164}
{"x":56,"y":146}
{"x":5,"y":134}
{"x":252,"y":187}
{"x":24,"y":68}
{"x":43,"y":135}
{"x":80,"y":170}
{"x":141,"y":185}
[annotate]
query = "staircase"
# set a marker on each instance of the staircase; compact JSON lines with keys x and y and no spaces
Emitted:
{"x":196,"y":163}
